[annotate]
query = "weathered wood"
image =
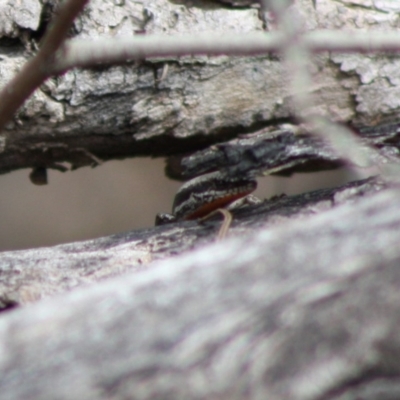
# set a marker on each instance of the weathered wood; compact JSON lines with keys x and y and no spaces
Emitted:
{"x":283,"y":150}
{"x":122,"y":111}
{"x":301,"y":302}
{"x":305,"y":310}
{"x":30,"y":275}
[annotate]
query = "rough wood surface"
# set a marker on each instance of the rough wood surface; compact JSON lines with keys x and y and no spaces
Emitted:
{"x":283,"y":150}
{"x":89,"y":115}
{"x":307,"y":309}
{"x":29,"y":275}
{"x":300,"y":302}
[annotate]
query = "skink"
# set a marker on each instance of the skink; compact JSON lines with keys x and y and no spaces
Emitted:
{"x":206,"y":193}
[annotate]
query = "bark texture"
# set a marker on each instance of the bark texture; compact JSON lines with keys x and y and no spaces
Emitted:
{"x":86,"y":116}
{"x":301,"y":301}
{"x":29,"y":275}
{"x":305,"y":309}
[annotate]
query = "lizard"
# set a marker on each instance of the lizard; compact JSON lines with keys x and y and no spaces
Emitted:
{"x":203,"y":195}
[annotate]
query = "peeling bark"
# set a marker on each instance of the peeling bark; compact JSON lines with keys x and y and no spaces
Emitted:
{"x":299,"y":302}
{"x":124,"y":111}
{"x":305,"y":307}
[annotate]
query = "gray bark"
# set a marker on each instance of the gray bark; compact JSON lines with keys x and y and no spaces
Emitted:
{"x":305,"y":309}
{"x":299,"y":302}
{"x":29,"y":275}
{"x":122,"y":111}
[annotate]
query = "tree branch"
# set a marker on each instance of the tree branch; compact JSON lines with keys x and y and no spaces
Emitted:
{"x":38,"y":69}
{"x":30,"y":275}
{"x":305,"y":310}
{"x":88,"y":53}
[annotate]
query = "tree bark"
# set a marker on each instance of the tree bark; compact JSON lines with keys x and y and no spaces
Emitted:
{"x":299,"y":302}
{"x":305,"y":309}
{"x":29,"y":275}
{"x":168,"y":106}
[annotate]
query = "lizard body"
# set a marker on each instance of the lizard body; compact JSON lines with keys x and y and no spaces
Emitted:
{"x":206,"y":193}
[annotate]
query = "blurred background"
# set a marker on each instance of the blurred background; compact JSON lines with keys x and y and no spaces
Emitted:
{"x":115,"y":197}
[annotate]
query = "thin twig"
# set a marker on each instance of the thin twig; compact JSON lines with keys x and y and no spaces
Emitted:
{"x":83,"y":53}
{"x":226,"y":223}
{"x":39,"y":68}
{"x":86,"y":53}
{"x":298,"y":53}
